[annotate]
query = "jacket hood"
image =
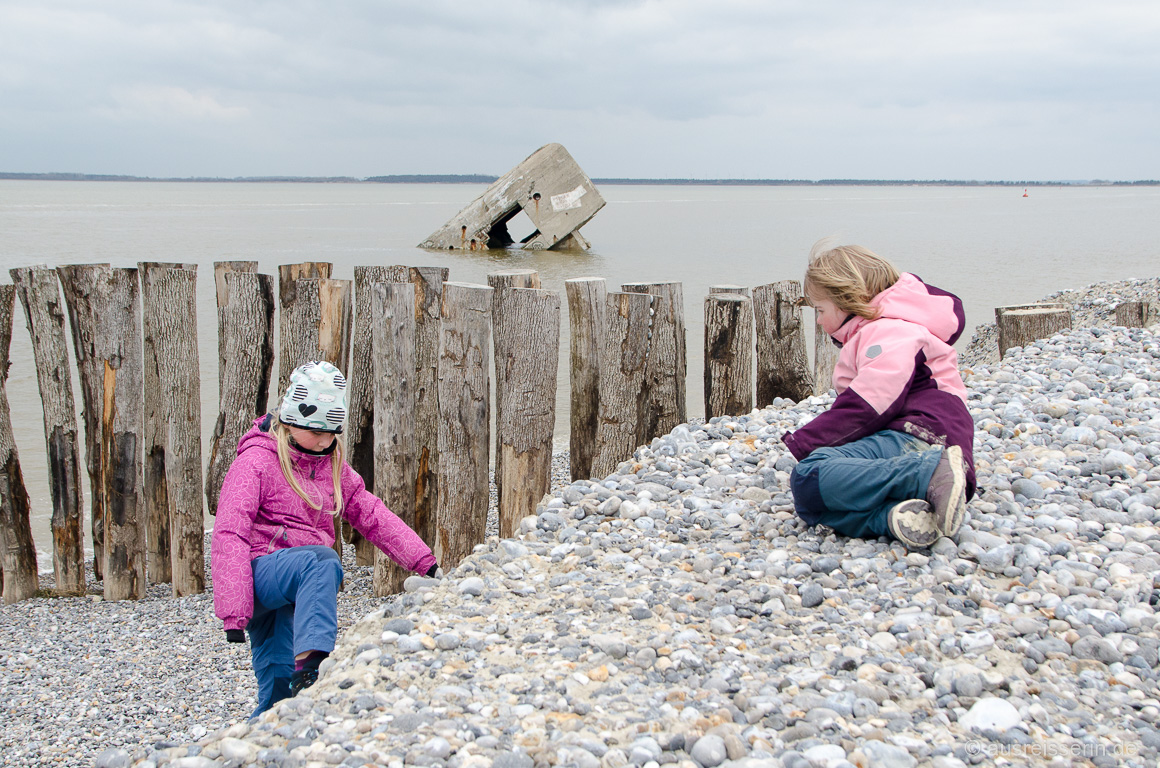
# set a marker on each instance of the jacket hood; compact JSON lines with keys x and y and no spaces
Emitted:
{"x":914,"y":301}
{"x":259,"y":436}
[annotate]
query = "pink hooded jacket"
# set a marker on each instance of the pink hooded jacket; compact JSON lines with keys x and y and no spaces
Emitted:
{"x":259,"y":512}
{"x":898,"y":372}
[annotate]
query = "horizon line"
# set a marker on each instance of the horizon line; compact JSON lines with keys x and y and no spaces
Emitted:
{"x":450,"y":178}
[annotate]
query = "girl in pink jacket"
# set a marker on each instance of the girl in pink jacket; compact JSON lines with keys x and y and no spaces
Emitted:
{"x":893,"y":455}
{"x":275,"y":574}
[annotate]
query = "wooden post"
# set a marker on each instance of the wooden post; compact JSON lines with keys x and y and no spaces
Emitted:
{"x":665,"y":376}
{"x":728,"y":354}
{"x":464,"y":421}
{"x":246,"y":341}
{"x":288,"y":277}
{"x":122,"y":415}
{"x":825,"y":358}
{"x":1024,"y":323}
{"x":83,"y":286}
{"x":360,"y":431}
{"x":317,"y":327}
{"x":740,"y":290}
{"x":179,"y":385}
{"x":1136,"y":314}
{"x":587,"y":326}
{"x":392,"y":326}
{"x":18,"y":577}
{"x":525,"y":319}
{"x":428,"y":313}
{"x":623,"y":396}
{"x":40,"y":295}
{"x":783,"y":368}
{"x":501,"y":282}
{"x":220,"y":270}
{"x":156,"y":490}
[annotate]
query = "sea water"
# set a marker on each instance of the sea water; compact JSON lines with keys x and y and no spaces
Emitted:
{"x":989,"y":245}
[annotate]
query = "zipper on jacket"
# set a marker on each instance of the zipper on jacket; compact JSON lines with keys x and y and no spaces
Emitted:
{"x":274,"y":539}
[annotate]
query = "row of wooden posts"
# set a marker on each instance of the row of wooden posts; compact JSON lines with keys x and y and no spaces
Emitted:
{"x":417,"y":351}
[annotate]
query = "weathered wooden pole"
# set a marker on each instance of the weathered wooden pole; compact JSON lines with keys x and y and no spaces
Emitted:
{"x":667,"y":355}
{"x":623,"y":395}
{"x":728,"y":354}
{"x":587,"y":297}
{"x":360,"y":427}
{"x":44,"y":312}
{"x":222,"y":292}
{"x":525,"y":319}
{"x":360,"y":424}
{"x":317,"y":327}
{"x":155,"y":487}
{"x":1136,"y":314}
{"x":464,"y":421}
{"x":83,"y":286}
{"x":501,"y":282}
{"x":825,"y":358}
{"x":741,"y":290}
{"x":1020,"y":324}
{"x":428,"y":313}
{"x":122,"y":415}
{"x":246,"y":344}
{"x":783,"y":367}
{"x":392,"y":326}
{"x":179,"y":384}
{"x":18,"y":577}
{"x":288,"y":277}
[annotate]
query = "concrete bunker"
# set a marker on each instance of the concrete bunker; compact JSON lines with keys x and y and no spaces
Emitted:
{"x":549,"y":187}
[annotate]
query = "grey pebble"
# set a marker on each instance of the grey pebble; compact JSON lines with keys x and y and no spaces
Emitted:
{"x":811,"y":595}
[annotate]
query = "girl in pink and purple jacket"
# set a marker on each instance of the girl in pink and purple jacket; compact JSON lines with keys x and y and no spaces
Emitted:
{"x":275,"y":573}
{"x":893,"y":455}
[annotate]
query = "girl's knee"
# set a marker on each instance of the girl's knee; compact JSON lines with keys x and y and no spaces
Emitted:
{"x":806,"y":492}
{"x":325,"y":558}
{"x":804,"y":471}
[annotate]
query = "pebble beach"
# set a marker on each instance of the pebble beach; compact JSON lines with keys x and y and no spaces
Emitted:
{"x":677,"y":613}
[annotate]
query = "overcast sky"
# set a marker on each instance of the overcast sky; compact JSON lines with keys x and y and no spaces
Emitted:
{"x":989,"y":89}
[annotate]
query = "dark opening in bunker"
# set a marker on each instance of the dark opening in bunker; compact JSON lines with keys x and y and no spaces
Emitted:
{"x":515,"y":227}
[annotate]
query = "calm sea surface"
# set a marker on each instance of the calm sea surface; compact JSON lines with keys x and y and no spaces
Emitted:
{"x":991,"y":246}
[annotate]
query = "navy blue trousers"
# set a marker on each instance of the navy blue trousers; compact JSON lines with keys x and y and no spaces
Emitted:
{"x":851,"y":487}
{"x":295,"y":610}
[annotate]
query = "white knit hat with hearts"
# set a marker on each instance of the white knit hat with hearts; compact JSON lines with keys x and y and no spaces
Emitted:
{"x":316,"y":398}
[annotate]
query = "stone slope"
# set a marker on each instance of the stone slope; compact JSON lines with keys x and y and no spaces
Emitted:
{"x":679,"y":613}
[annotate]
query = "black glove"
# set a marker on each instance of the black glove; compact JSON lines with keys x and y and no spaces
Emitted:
{"x":235,"y":635}
{"x":432,"y":571}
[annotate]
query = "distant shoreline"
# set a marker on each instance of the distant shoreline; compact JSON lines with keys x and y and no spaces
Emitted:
{"x":483,"y":179}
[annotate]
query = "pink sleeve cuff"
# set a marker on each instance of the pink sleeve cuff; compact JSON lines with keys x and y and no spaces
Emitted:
{"x":425,"y":564}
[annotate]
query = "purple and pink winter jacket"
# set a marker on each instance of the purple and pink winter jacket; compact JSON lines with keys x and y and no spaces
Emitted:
{"x":259,"y":512}
{"x":898,"y":372}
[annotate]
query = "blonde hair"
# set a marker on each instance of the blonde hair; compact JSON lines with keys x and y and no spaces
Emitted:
{"x":281,"y":435}
{"x":848,"y":275}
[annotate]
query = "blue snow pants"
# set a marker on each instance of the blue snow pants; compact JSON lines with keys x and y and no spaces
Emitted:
{"x":852,"y":487}
{"x":295,"y":610}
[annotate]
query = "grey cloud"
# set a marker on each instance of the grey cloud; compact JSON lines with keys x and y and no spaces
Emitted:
{"x":310,"y":87}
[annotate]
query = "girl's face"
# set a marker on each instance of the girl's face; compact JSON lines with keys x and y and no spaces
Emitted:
{"x":828,"y":314}
{"x":310,"y":439}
